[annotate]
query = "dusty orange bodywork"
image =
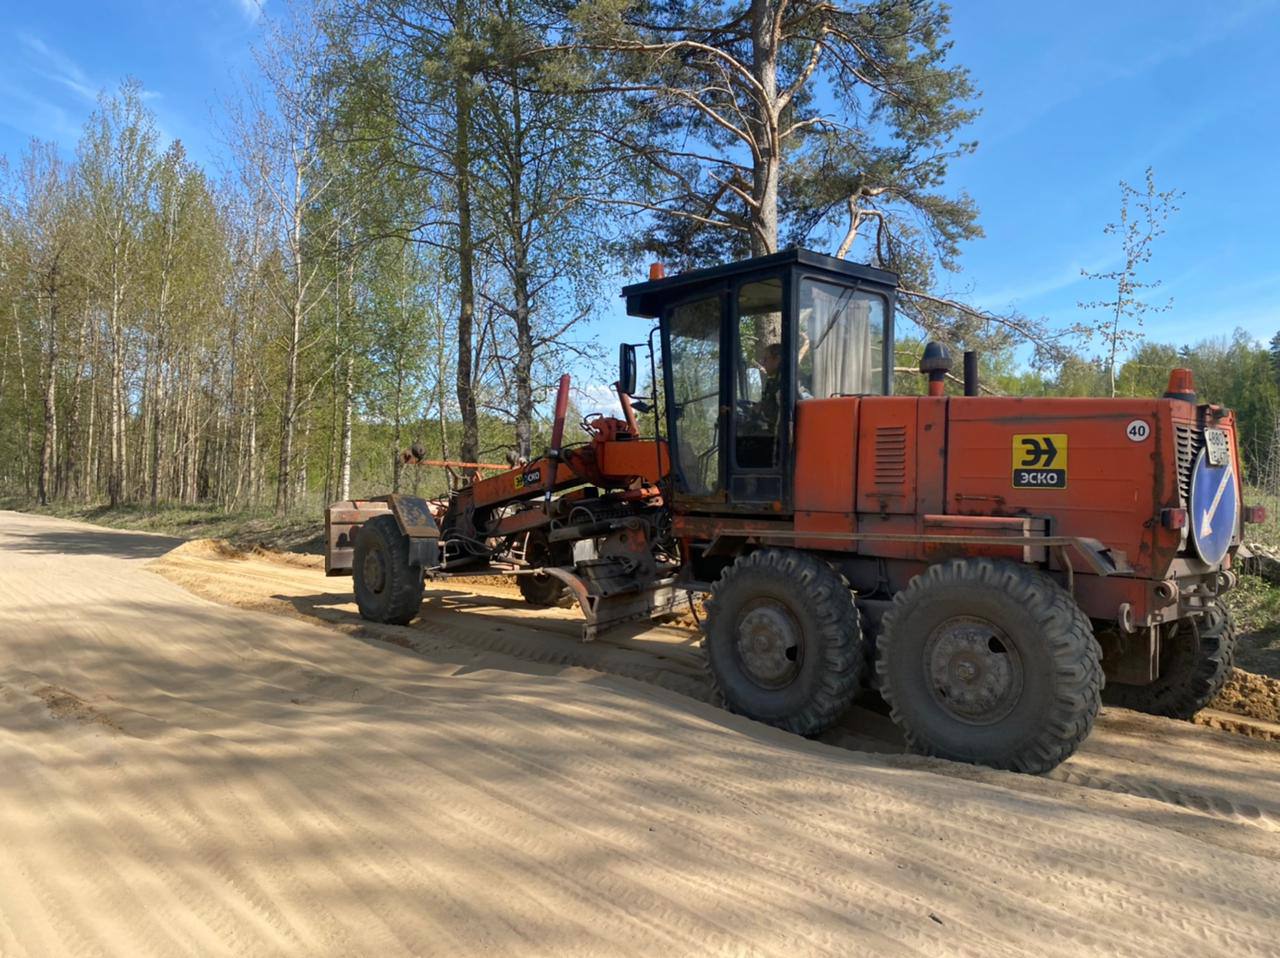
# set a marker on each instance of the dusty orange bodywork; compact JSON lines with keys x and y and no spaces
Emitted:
{"x":605,"y":463}
{"x":914,"y":479}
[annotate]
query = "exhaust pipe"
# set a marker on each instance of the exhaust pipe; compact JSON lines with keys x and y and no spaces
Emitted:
{"x":970,"y":372}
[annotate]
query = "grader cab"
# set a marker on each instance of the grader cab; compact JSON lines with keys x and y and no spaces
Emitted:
{"x":985,"y":563}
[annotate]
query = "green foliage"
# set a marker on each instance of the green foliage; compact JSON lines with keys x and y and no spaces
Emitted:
{"x":1237,"y":373}
{"x":1255,"y":607}
{"x":753,"y":124}
{"x":1146,"y":371}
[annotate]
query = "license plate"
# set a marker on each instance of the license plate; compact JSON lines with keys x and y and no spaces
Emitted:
{"x":1216,"y":447}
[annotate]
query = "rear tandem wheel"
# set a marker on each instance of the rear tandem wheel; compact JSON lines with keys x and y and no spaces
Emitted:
{"x":990,"y":662}
{"x":783,"y":640}
{"x":1196,"y":658}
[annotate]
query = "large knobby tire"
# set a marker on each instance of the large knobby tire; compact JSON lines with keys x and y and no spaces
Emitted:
{"x":540,"y":589}
{"x":783,"y":640}
{"x":1196,"y":658}
{"x":388,"y":588}
{"x":990,"y":662}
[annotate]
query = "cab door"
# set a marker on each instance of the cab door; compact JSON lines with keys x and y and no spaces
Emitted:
{"x":696,"y":400}
{"x":729,"y":395}
{"x":759,"y":392}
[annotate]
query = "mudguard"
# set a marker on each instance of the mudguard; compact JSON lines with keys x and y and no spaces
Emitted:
{"x":413,"y":515}
{"x":342,"y":522}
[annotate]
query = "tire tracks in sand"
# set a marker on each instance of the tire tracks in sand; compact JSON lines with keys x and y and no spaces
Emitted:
{"x":487,"y":619}
{"x":263,"y":785}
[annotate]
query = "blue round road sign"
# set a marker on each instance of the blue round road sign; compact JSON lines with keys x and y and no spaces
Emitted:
{"x":1214,"y":508}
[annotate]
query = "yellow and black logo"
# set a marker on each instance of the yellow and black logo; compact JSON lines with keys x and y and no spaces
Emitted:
{"x":1040,"y":461}
{"x":530,"y":478}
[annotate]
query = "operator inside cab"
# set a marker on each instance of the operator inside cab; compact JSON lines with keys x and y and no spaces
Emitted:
{"x":839,"y":345}
{"x":771,"y":389}
{"x":760,"y":413}
{"x":768,"y":410}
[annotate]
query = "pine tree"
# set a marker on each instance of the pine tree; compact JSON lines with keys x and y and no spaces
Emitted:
{"x":762,"y":121}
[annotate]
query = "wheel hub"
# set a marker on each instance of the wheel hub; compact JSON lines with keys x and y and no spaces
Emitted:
{"x":375,"y":571}
{"x":974,"y":671}
{"x":769,"y":644}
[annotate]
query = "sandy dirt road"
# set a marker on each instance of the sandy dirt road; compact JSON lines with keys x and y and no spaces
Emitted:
{"x":180,"y":776}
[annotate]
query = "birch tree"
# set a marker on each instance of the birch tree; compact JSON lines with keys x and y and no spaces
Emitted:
{"x":46,"y":214}
{"x":539,"y":160}
{"x":416,"y":68}
{"x":186,"y":282}
{"x":281,"y":152}
{"x":116,"y":166}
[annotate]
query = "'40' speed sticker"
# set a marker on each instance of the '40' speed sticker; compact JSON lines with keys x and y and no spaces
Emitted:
{"x":1040,"y":461}
{"x":1139,"y":430}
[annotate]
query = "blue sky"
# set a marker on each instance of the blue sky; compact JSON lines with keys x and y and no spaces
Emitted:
{"x":56,"y":54}
{"x":1075,"y":97}
{"x":1083,"y":95}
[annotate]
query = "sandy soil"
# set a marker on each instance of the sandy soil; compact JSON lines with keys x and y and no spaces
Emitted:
{"x":1257,"y":696}
{"x":185,"y":777}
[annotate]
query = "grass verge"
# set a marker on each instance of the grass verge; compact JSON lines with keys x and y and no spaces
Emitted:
{"x":1255,"y":607}
{"x":244,"y":530}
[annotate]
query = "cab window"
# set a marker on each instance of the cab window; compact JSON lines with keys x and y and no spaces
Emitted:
{"x":841,"y":341}
{"x":695,"y":393}
{"x":759,"y":366}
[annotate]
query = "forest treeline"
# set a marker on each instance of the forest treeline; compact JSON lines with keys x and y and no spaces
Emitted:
{"x":1232,"y":369}
{"x":425,"y":203}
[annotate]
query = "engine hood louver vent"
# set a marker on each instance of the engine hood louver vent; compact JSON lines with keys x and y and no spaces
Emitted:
{"x":891,"y":458}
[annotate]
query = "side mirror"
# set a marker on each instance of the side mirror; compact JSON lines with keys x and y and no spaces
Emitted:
{"x":627,"y":368}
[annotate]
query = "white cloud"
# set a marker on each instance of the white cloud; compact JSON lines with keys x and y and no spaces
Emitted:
{"x":47,"y":93}
{"x":597,"y":397}
{"x":61,"y":69}
{"x":35,"y":115}
{"x":1063,"y":277}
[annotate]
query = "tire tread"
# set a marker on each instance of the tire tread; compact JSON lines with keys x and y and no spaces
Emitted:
{"x":404,"y":596}
{"x":1072,"y":647}
{"x":827,"y":595}
{"x":1195,"y":682}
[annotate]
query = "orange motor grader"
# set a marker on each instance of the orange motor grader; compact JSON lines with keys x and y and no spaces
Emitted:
{"x":987,"y":564}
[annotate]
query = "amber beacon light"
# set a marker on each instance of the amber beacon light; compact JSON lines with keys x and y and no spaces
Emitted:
{"x":1181,"y":385}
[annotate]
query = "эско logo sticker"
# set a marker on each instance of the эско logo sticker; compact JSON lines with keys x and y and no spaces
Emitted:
{"x":1040,"y":461}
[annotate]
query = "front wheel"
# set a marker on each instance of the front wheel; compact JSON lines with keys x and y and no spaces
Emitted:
{"x":388,"y":588}
{"x":990,"y":662}
{"x":783,"y":640}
